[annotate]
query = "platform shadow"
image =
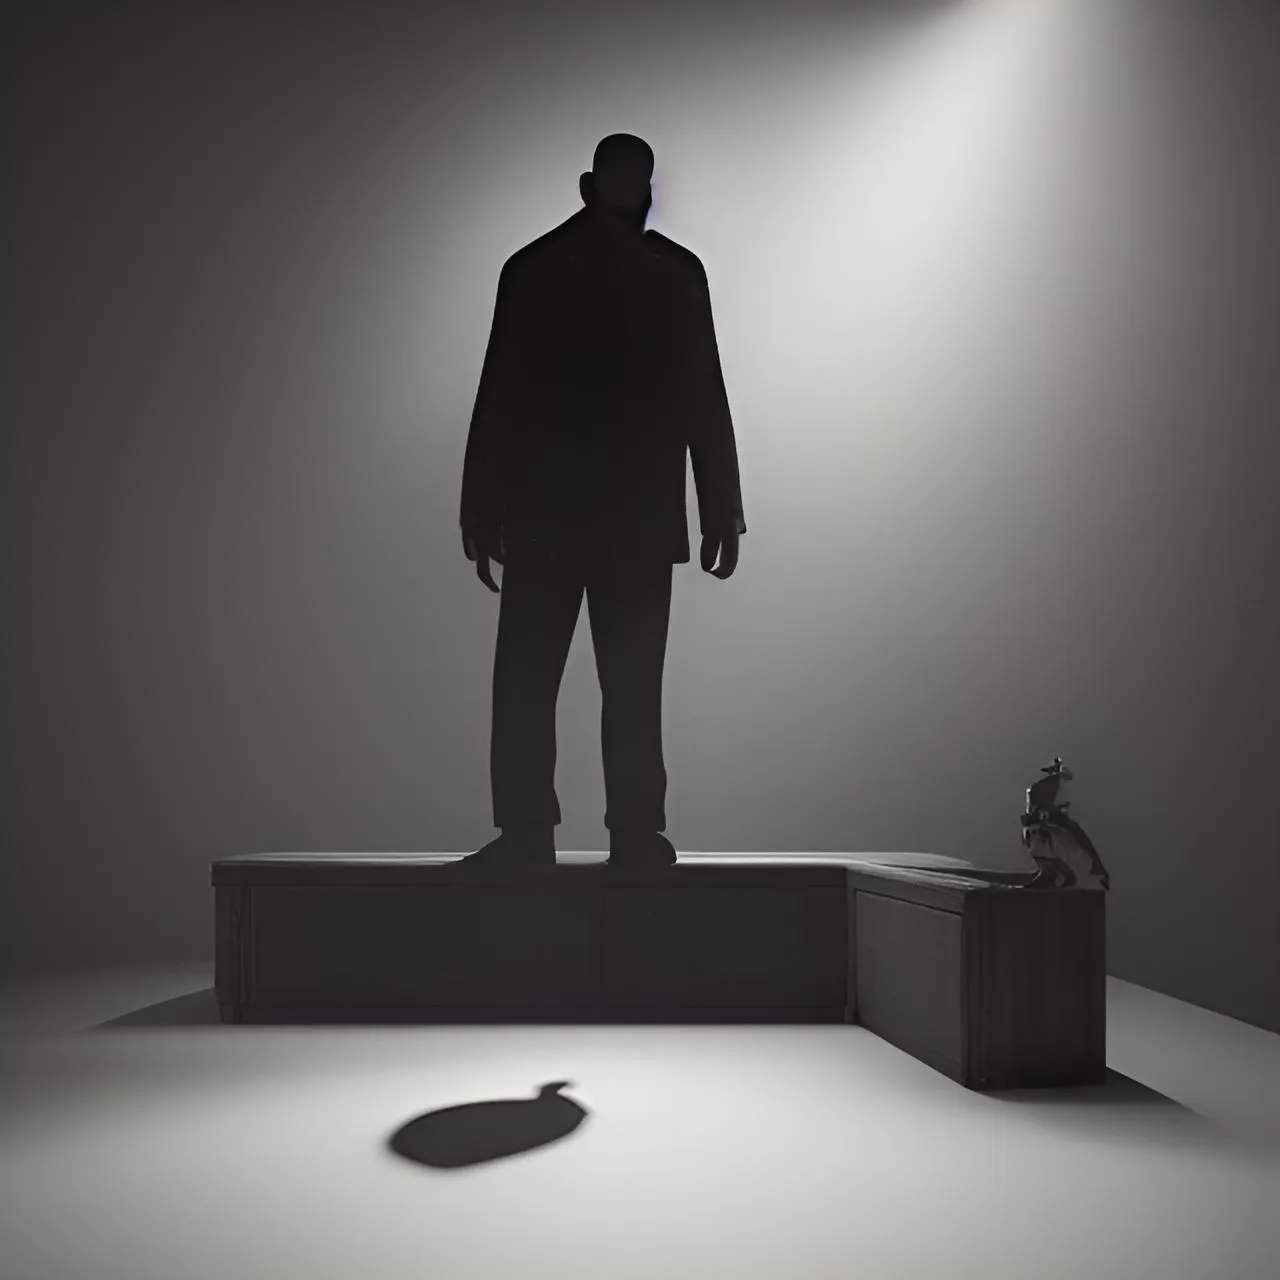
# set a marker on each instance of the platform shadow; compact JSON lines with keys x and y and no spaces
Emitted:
{"x":195,"y":1009}
{"x":1124,"y":1112}
{"x":1117,"y":1089}
{"x":475,"y":1133}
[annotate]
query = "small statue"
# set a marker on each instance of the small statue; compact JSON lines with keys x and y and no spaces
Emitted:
{"x":1064,"y":855}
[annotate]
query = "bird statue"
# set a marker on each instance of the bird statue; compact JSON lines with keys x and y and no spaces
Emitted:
{"x":1065,"y":857}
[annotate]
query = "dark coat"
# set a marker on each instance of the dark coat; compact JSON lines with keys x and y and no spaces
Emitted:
{"x":601,"y":375}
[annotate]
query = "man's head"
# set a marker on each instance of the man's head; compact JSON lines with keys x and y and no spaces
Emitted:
{"x":618,"y":182}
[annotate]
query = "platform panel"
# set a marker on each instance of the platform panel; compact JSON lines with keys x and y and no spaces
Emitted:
{"x":910,"y":987}
{"x":726,"y":946}
{"x":408,"y":945}
{"x":1037,"y":986}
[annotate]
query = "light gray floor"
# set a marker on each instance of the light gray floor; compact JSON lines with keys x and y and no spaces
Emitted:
{"x":161,"y":1152}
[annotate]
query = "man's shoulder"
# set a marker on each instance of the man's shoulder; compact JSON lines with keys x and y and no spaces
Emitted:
{"x":674,"y":252}
{"x":549,"y":244}
{"x":522,"y":259}
{"x":565,"y":241}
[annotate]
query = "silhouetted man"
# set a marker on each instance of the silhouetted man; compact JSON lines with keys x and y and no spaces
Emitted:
{"x":601,"y":375}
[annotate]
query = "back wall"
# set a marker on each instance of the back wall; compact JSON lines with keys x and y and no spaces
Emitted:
{"x":995,"y":285}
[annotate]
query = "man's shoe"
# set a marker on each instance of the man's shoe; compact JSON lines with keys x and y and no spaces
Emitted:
{"x":516,"y":848}
{"x":641,"y":851}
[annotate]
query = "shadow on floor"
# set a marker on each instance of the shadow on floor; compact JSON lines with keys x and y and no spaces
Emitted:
{"x":1124,"y":1112}
{"x":1117,"y":1090}
{"x":195,"y":1009}
{"x":477,"y":1132}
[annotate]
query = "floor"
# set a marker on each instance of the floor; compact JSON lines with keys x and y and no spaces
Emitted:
{"x":143,"y":1141}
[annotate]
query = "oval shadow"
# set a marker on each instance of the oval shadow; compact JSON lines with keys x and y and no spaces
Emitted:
{"x":476,"y":1132}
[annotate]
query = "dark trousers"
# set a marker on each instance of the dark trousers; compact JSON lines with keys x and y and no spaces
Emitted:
{"x":629,"y":605}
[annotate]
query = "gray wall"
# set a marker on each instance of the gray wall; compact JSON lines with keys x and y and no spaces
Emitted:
{"x":996,"y":288}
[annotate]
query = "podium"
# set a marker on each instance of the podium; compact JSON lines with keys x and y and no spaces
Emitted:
{"x":990,"y":985}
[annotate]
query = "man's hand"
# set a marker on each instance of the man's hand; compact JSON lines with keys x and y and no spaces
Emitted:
{"x":483,"y":545}
{"x":726,"y":546}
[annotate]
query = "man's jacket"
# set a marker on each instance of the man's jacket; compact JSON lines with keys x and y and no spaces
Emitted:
{"x":600,"y":377}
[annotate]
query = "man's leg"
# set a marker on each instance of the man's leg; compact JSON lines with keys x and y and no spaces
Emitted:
{"x":537,"y":614}
{"x":629,"y":609}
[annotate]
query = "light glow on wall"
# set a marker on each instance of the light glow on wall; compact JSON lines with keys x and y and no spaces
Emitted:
{"x":994,"y":283}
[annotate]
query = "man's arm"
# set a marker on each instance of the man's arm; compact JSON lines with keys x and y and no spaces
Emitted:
{"x":712,"y":447}
{"x":497,"y":396}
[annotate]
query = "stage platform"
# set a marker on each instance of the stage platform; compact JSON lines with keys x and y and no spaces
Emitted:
{"x":993,"y":986}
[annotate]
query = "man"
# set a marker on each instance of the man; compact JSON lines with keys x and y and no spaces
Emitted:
{"x":600,"y":376}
